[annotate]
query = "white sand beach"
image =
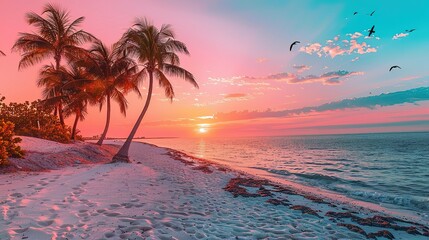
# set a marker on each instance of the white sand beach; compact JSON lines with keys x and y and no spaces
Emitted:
{"x":159,"y":197}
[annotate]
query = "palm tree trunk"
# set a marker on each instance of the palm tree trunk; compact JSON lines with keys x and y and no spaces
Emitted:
{"x":60,"y":105}
{"x":60,"y":114}
{"x":122,"y":155}
{"x":73,"y":133}
{"x":103,"y":136}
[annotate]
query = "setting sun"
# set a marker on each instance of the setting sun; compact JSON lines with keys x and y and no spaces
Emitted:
{"x":202,"y":130}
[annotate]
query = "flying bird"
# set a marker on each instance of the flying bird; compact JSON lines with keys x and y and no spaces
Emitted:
{"x":372,"y":13}
{"x":410,"y":30}
{"x":392,"y":67}
{"x":291,"y":46}
{"x":371,"y":31}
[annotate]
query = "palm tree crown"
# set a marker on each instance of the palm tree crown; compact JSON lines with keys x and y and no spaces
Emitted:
{"x":56,"y":36}
{"x":156,"y":50}
{"x":115,"y":73}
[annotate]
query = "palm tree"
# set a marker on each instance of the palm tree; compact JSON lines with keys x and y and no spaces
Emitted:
{"x":77,"y":88}
{"x":56,"y":36}
{"x":156,"y":50}
{"x":2,"y":53}
{"x":115,"y":72}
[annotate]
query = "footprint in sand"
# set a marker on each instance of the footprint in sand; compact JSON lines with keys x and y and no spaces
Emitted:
{"x":20,"y":230}
{"x":101,"y":210}
{"x":114,"y":206}
{"x":112,"y":214}
{"x":16,"y":195}
{"x":109,"y":234}
{"x":45,"y":223}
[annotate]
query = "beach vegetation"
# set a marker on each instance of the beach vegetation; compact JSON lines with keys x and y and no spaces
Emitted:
{"x":156,"y":50}
{"x":34,"y":119}
{"x":8,"y":143}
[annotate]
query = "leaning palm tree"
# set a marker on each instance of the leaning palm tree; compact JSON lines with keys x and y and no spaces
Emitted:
{"x":155,"y":49}
{"x":56,"y":36}
{"x":115,"y":73}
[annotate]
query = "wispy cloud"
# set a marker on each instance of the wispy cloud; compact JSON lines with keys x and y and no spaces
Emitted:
{"x":334,"y":48}
{"x":409,"y":78}
{"x":301,"y":68}
{"x":400,"y":35}
{"x":235,"y":95}
{"x":237,"y":81}
{"x":330,"y":78}
{"x":383,"y":100}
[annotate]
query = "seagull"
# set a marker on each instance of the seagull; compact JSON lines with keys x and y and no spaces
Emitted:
{"x":290,"y":48}
{"x":410,"y":30}
{"x":392,"y":67}
{"x":371,"y":31}
{"x":372,"y":13}
{"x":355,"y":13}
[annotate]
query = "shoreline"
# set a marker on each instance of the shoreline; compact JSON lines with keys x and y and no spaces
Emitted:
{"x":303,"y":189}
{"x":164,"y":195}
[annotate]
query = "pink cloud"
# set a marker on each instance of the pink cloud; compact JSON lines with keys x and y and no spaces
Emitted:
{"x":333,"y":51}
{"x":344,"y":47}
{"x":355,"y":35}
{"x":312,"y":48}
{"x":361,"y":48}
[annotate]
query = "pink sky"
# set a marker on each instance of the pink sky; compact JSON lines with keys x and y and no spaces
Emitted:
{"x":237,"y":60}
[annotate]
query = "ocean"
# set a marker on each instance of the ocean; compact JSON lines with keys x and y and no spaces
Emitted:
{"x":390,"y":169}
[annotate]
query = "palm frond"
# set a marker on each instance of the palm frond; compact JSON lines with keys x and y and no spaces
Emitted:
{"x":165,"y":83}
{"x":177,"y":71}
{"x":119,"y":97}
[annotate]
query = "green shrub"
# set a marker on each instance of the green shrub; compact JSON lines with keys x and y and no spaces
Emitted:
{"x":8,"y":143}
{"x":34,"y":120}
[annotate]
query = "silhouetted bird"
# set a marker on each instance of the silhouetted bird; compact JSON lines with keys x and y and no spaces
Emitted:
{"x":355,"y":13}
{"x":291,"y":46}
{"x":372,"y":13}
{"x":410,"y":30}
{"x":392,"y":67}
{"x":371,"y":31}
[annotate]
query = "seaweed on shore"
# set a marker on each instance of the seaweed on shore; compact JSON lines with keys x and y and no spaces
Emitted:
{"x":382,"y":222}
{"x":353,"y":228}
{"x":305,"y":210}
{"x":276,"y":202}
{"x":234,"y":186}
{"x":204,"y":168}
